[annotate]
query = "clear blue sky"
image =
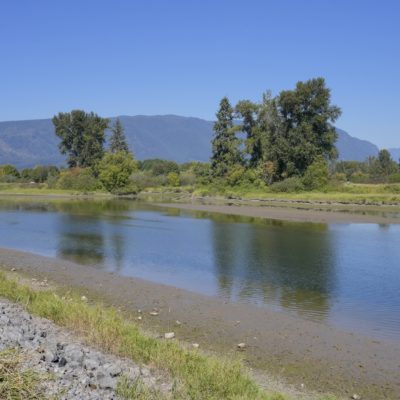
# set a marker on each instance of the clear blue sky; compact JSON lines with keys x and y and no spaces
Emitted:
{"x":181,"y":56}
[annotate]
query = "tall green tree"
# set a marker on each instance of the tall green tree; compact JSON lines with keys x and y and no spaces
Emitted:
{"x":247,"y":112}
{"x":82,"y":137}
{"x":118,"y":141}
{"x":307,"y":117}
{"x":225,"y":144}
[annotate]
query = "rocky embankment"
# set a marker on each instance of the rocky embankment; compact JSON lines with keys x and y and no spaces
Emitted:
{"x":74,"y":371}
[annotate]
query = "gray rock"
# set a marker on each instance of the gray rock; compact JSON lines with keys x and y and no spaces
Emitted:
{"x":107,"y":382}
{"x":112,"y":369}
{"x":78,"y":371}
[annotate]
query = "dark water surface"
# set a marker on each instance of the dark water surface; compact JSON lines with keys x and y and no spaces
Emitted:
{"x":347,"y":275}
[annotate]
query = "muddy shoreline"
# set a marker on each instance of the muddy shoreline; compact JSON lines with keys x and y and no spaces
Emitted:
{"x":291,"y":212}
{"x":301,"y":351}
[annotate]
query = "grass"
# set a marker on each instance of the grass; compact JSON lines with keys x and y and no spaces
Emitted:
{"x":17,"y":384}
{"x":137,"y":390}
{"x":195,"y":375}
{"x":42,"y":190}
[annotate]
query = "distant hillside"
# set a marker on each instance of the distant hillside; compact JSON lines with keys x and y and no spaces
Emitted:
{"x":28,"y":143}
{"x":352,"y":148}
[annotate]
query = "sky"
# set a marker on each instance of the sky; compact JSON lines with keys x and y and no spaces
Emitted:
{"x":129,"y":57}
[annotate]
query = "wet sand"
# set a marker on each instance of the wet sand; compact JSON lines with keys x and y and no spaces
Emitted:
{"x":291,"y":213}
{"x":320,"y":356}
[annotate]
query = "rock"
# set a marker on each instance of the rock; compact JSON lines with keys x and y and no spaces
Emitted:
{"x":112,"y":370}
{"x":139,"y":318}
{"x":169,"y":335}
{"x":356,"y":397}
{"x":80,"y":372}
{"x":241,"y":346}
{"x":195,"y":345}
{"x":89,"y":364}
{"x":84,"y":298}
{"x":74,"y":354}
{"x":62,"y":362}
{"x":107,"y":383}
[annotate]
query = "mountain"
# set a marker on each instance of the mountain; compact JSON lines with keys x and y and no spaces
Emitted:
{"x":352,"y":148}
{"x":29,"y":143}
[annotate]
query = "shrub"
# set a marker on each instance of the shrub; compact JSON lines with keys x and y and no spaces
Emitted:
{"x":142,"y":179}
{"x":316,"y":175}
{"x":235,"y":175}
{"x":394,"y":178}
{"x":359,"y":177}
{"x":188,"y":178}
{"x":115,"y":170}
{"x":289,"y":185}
{"x":339,"y":177}
{"x":8,"y":173}
{"x":78,"y":179}
{"x":173,"y":179}
{"x":159,"y":167}
{"x":40,"y":173}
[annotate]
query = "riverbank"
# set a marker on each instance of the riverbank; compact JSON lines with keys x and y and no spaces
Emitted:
{"x":292,"y":211}
{"x":303,"y":352}
{"x":39,"y":351}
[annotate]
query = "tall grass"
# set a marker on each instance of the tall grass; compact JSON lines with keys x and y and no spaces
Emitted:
{"x":196,"y":376}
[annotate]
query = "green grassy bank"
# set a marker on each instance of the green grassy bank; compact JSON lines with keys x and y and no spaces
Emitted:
{"x":195,"y":376}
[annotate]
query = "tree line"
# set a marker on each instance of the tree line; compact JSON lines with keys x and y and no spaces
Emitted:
{"x":282,"y":143}
{"x":287,"y":138}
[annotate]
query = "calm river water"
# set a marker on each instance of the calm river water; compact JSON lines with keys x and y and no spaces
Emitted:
{"x":347,"y":275}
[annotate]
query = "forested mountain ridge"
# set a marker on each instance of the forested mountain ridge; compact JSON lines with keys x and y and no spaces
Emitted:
{"x":32,"y":142}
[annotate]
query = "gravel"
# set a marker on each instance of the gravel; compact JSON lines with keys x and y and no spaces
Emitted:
{"x":77,"y":371}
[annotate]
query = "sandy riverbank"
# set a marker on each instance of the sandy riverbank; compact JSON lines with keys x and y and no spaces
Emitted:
{"x":302,"y":351}
{"x":294,"y":213}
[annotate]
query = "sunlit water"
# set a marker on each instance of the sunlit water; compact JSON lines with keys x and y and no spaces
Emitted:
{"x":347,"y":275}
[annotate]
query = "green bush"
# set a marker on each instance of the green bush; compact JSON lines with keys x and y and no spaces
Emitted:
{"x":173,"y":179}
{"x":235,"y":175}
{"x":316,"y":175}
{"x":159,"y":167}
{"x":394,"y":178}
{"x":81,"y":179}
{"x":339,"y":177}
{"x":143,"y":180}
{"x":289,"y":185}
{"x":359,"y":177}
{"x":188,"y":178}
{"x":8,"y":173}
{"x":115,"y":169}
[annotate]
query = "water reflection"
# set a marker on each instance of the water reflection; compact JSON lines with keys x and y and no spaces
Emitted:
{"x":343,"y":274}
{"x":81,"y":239}
{"x":275,"y":265}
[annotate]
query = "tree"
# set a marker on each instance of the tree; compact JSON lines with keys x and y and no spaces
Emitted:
{"x":118,"y":141}
{"x":386,"y":163}
{"x":247,"y":112}
{"x":225,"y":144}
{"x":115,"y":169}
{"x":159,"y":167}
{"x":82,"y":137}
{"x":9,"y":170}
{"x":307,"y":117}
